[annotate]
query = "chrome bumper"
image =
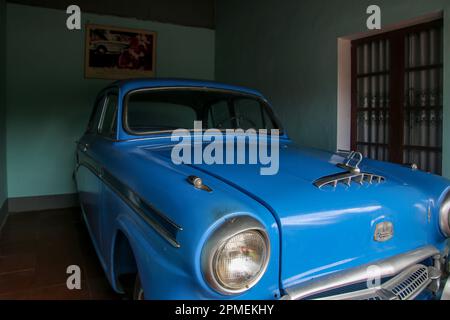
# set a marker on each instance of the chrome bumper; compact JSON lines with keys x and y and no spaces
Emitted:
{"x":446,"y":291}
{"x":409,"y":279}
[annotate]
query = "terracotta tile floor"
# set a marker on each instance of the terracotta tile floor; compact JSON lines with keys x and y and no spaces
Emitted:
{"x":35,"y":250}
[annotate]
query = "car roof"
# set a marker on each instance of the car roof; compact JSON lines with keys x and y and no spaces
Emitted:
{"x":134,"y":84}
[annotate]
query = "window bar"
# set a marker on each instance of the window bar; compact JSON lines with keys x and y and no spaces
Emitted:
{"x":386,"y":100}
{"x":373,"y":100}
{"x":382,"y":67}
{"x":413,"y":97}
{"x":432,"y":128}
{"x":409,"y":99}
{"x":366,"y":100}
{"x":424,"y":58}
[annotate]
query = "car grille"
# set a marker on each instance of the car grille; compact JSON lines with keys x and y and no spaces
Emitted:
{"x":403,"y":277}
{"x":408,"y":287}
{"x":405,"y":286}
{"x":375,"y":298}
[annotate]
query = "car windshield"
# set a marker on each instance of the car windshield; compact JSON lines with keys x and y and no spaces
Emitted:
{"x":149,"y":111}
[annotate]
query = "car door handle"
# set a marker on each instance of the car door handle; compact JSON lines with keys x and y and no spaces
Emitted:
{"x":84,"y":147}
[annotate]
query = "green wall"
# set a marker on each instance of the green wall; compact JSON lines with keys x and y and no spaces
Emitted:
{"x":3,"y":189}
{"x":49,"y":101}
{"x":288,"y":50}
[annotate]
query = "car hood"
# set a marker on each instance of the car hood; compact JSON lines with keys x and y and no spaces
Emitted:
{"x":329,"y":229}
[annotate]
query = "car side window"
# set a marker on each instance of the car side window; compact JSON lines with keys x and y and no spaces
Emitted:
{"x":96,"y":115}
{"x":108,"y":124}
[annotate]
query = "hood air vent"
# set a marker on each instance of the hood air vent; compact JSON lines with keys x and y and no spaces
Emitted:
{"x":347,"y":178}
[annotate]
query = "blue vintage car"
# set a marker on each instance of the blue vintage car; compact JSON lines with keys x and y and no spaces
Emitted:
{"x":323,"y":226}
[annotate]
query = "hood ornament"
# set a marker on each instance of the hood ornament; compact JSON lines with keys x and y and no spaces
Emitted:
{"x":352,"y":162}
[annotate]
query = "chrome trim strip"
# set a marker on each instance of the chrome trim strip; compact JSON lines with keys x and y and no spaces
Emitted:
{"x":387,"y":267}
{"x":165,"y":227}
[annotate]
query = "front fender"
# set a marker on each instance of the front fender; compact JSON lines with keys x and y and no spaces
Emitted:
{"x":168,"y":272}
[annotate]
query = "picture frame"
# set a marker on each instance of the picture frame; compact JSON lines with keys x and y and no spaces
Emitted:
{"x":119,"y":53}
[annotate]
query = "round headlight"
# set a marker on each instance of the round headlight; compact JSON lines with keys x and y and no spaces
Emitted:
{"x":241,"y":260}
{"x":444,"y":215}
{"x":235,"y":257}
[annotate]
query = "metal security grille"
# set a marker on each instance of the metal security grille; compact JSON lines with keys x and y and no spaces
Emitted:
{"x":422,"y":113}
{"x":397,"y":83}
{"x":373,"y":98}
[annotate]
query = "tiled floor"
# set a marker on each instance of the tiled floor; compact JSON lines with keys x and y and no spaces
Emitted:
{"x":35,"y":250}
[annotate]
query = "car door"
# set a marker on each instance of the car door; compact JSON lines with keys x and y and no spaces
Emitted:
{"x":88,"y":173}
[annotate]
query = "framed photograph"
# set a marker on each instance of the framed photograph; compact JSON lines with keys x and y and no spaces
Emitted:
{"x":118,"y":53}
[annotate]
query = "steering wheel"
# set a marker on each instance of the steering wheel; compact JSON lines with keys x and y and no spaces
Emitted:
{"x":240,"y":118}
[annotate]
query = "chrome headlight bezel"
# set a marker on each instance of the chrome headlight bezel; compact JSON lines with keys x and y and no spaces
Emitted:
{"x":217,"y":241}
{"x":444,"y":215}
